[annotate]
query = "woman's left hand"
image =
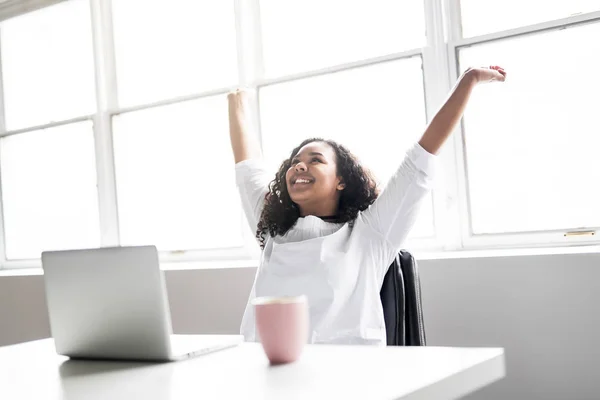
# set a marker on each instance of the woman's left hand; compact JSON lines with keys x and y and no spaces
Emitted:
{"x":492,"y":73}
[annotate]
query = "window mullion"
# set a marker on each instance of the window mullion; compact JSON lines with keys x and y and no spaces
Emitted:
{"x":249,"y":41}
{"x":2,"y":131}
{"x":439,"y":75}
{"x":250,"y":54}
{"x":106,"y":98}
{"x":461,"y":208}
{"x":250,"y":71}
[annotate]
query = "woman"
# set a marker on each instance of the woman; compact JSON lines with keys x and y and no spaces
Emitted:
{"x":324,"y":230}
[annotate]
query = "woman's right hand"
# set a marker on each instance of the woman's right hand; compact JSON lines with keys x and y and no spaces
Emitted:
{"x":239,"y":99}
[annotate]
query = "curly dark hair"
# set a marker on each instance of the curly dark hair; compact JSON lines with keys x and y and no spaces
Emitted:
{"x":280,"y":213}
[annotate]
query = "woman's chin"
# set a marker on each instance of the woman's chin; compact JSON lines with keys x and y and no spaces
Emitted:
{"x":300,"y":198}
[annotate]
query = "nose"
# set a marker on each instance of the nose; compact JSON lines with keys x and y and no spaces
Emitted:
{"x":300,"y":167}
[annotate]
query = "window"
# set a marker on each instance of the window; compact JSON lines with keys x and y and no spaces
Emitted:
{"x":480,"y":17}
{"x":166,"y":49}
{"x":175,"y":181}
{"x":47,"y":65}
{"x":174,"y":172}
{"x":531,"y":146}
{"x":529,"y":158}
{"x":49,"y":190}
{"x":312,"y":34}
{"x":114,"y":128}
{"x":47,"y":156}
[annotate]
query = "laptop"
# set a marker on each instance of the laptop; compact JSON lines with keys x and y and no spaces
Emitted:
{"x":111,"y":303}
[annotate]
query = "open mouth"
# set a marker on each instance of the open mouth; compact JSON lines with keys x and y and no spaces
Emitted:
{"x":302,"y":182}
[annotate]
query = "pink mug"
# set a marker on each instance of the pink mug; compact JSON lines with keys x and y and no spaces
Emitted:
{"x":282,"y":324}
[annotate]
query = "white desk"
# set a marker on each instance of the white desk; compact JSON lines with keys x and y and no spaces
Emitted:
{"x":34,"y":371}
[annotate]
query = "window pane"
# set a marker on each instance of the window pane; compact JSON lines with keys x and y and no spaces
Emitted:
{"x":175,"y":177}
{"x":378,"y":112}
{"x":166,"y":49}
{"x":49,"y":190}
{"x":485,"y":16}
{"x":48,"y":65}
{"x":311,"y":34}
{"x":532,"y":143}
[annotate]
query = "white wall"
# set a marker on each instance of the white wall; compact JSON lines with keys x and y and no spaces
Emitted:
{"x":542,"y":309}
{"x":23,"y":314}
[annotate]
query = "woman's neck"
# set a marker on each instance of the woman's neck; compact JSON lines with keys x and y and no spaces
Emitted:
{"x":321,"y":212}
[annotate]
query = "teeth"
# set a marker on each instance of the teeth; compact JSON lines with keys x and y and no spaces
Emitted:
{"x":302,"y":181}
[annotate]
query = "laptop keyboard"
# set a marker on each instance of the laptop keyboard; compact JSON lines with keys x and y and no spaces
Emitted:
{"x":184,"y":344}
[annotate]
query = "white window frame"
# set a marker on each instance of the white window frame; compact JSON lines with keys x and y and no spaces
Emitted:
{"x":10,"y":9}
{"x":107,"y":107}
{"x":588,"y":235}
{"x":440,"y":71}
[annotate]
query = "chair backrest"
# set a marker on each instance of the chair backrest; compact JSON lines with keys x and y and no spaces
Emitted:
{"x":401,"y":299}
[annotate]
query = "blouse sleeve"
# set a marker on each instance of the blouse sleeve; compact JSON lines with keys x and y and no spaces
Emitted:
{"x":394,"y":212}
{"x":252,"y":181}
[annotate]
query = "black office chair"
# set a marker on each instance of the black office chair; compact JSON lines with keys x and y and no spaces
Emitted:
{"x":401,"y":299}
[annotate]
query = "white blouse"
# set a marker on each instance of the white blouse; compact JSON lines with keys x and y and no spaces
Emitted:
{"x":340,"y":269}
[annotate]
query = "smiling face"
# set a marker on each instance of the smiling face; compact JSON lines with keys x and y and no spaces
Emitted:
{"x":312,"y":180}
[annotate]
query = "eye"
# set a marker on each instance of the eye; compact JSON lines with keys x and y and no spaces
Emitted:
{"x":316,"y":160}
{"x":295,"y":161}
